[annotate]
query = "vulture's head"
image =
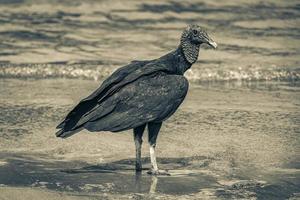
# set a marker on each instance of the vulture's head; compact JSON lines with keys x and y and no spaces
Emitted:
{"x":191,"y":40}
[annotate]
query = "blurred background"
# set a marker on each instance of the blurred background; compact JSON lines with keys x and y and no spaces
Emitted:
{"x":236,"y":136}
{"x":258,"y":40}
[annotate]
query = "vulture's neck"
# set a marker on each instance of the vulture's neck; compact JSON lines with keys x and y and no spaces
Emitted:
{"x":185,"y":56}
{"x":190,"y":50}
{"x":177,"y":62}
{"x":182,"y":58}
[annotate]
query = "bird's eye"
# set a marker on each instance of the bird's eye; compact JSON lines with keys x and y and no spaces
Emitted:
{"x":195,"y":32}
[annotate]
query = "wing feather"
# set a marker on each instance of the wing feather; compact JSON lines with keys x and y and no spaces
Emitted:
{"x":145,"y":100}
{"x":88,"y":103}
{"x":92,"y":107}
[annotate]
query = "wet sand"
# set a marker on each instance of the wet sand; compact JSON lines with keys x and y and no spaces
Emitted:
{"x":226,"y":141}
{"x":235,"y":137}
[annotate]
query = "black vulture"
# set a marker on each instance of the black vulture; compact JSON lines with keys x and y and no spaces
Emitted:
{"x":140,"y":94}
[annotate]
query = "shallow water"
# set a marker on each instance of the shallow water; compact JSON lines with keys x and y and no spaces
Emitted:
{"x":226,"y":141}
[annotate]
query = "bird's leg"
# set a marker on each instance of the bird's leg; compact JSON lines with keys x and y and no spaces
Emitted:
{"x":153,"y":157}
{"x":153,"y":129}
{"x":138,"y":134}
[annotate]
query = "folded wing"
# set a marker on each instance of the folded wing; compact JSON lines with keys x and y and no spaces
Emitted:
{"x":88,"y":103}
{"x":110,"y":86}
{"x":145,"y":100}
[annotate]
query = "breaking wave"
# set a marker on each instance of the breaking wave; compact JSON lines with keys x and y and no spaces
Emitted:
{"x":98,"y":72}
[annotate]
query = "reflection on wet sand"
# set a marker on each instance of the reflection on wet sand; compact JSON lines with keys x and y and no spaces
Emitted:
{"x":114,"y":177}
{"x":187,"y":178}
{"x":138,"y":182}
{"x":153,"y":185}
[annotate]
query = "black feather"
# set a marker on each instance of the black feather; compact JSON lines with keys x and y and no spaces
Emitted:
{"x":140,"y":92}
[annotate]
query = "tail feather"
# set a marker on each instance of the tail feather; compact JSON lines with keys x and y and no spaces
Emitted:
{"x":61,"y":124}
{"x":65,"y":134}
{"x":59,"y":133}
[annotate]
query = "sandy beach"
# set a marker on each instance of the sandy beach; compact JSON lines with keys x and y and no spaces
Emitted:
{"x":245,"y":148}
{"x":236,"y":136}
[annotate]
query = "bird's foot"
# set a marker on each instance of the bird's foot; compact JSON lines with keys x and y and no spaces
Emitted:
{"x":158,"y":172}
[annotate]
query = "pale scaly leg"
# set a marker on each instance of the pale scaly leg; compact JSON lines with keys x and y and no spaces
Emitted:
{"x":153,"y":130}
{"x":138,"y":134}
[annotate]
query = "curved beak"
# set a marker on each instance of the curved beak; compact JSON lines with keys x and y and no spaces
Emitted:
{"x":212,"y":43}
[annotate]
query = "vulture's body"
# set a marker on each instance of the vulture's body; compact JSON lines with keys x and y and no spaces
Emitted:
{"x":139,"y":94}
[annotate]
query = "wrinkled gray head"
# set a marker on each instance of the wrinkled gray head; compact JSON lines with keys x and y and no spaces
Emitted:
{"x":191,"y":39}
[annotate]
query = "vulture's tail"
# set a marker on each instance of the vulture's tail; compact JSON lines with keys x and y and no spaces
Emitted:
{"x":64,"y":134}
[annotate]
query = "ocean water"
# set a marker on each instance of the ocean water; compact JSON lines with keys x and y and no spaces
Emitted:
{"x":90,"y":39}
{"x":236,"y":136}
